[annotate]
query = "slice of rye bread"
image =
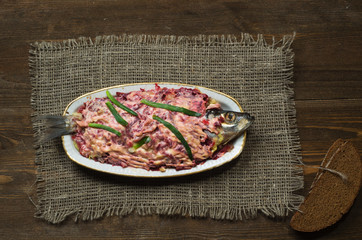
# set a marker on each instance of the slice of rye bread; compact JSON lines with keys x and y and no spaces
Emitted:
{"x":330,"y":197}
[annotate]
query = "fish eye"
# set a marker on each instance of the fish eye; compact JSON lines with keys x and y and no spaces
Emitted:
{"x":230,"y":117}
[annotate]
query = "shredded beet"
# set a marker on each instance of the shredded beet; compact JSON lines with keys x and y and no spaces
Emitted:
{"x":164,"y":149}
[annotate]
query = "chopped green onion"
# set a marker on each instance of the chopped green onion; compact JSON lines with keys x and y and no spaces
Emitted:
{"x":138,"y":144}
{"x":171,"y":108}
{"x":120,"y":105}
{"x":116,"y":115}
{"x":104,"y":127}
{"x":177,"y":134}
{"x":144,"y":140}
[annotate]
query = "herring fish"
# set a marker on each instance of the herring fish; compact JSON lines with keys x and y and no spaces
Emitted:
{"x":161,"y":134}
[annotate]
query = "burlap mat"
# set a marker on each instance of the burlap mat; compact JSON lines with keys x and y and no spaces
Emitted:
{"x":258,"y":74}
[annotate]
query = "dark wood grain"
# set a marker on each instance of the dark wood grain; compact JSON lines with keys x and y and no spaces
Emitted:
{"x":328,"y":93}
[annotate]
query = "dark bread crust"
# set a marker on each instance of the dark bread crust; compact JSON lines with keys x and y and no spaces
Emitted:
{"x":330,"y":197}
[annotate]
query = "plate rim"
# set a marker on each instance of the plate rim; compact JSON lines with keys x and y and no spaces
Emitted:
{"x":178,"y":173}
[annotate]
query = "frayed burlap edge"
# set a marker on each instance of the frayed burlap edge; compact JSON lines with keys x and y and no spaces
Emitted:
{"x":244,"y":39}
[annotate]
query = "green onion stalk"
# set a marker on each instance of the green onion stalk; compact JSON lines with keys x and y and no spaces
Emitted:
{"x":116,"y":115}
{"x":120,"y":105}
{"x":171,"y":108}
{"x":177,"y":134}
{"x":104,"y":127}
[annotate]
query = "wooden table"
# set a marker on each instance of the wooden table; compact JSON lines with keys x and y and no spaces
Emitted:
{"x":328,"y":95}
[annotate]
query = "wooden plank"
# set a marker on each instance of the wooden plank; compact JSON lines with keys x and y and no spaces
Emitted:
{"x":321,"y":122}
{"x":327,"y":69}
{"x":18,"y":180}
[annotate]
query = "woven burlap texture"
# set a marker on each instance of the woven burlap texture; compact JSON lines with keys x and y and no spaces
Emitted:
{"x":258,"y":74}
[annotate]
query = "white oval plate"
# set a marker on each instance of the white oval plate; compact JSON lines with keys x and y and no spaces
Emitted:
{"x":227,"y":103}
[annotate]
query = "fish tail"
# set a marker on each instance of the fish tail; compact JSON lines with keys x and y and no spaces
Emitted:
{"x":53,"y":127}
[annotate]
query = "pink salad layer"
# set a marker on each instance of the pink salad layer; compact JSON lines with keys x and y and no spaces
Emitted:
{"x":164,"y":149}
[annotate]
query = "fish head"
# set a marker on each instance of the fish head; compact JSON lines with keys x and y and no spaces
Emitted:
{"x":233,"y":124}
